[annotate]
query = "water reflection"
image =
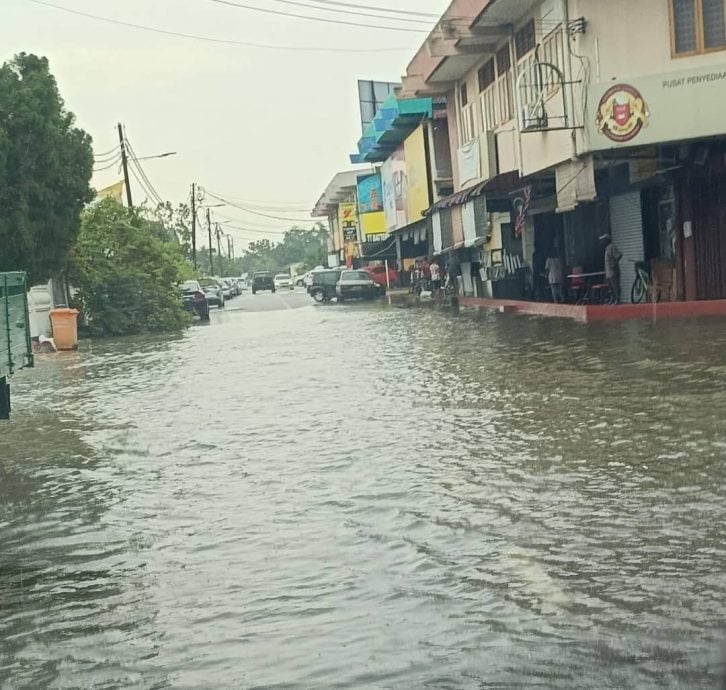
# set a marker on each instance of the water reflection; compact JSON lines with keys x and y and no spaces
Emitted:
{"x":373,"y":498}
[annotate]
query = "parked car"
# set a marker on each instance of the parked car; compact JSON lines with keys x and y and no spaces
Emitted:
{"x":227,"y":288}
{"x":263,"y":280}
{"x":358,"y":285}
{"x":213,"y":290}
{"x":299,"y":281}
{"x":378,"y":273}
{"x":323,"y":286}
{"x":234,"y":284}
{"x":308,"y":277}
{"x":283,"y":281}
{"x":194,"y":299}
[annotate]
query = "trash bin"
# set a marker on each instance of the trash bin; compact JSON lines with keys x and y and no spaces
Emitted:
{"x":65,"y":328}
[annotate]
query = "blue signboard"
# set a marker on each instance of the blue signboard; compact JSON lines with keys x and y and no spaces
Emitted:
{"x":370,"y":194}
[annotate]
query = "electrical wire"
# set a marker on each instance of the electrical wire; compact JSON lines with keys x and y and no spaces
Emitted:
{"x":257,"y":213}
{"x":297,"y":3}
{"x":257,"y":202}
{"x":211,"y":39}
{"x":149,"y":195}
{"x":378,"y":9}
{"x":279,"y":13}
{"x":106,"y":154}
{"x":108,"y":167}
{"x":135,"y":161}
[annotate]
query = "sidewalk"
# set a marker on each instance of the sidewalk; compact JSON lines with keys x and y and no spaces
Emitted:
{"x":601,"y":313}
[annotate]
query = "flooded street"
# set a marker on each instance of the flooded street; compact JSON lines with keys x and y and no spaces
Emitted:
{"x":368,"y":497}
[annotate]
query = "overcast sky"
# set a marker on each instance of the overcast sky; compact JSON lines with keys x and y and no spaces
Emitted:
{"x":266,"y":126}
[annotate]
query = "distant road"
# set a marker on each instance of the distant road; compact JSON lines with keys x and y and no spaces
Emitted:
{"x":267,"y":301}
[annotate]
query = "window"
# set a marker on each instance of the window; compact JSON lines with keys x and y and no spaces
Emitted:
{"x":697,"y":26}
{"x":504,"y":60}
{"x":464,"y":95}
{"x":486,"y":76}
{"x":524,"y":40}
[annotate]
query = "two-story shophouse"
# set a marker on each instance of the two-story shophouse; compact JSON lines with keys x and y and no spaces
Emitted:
{"x":574,"y":118}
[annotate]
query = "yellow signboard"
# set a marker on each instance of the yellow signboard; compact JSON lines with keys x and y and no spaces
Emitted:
{"x":417,"y":196}
{"x":348,"y":216}
{"x":373,"y":224}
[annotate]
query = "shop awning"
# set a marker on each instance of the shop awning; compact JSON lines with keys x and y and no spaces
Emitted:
{"x":501,"y":185}
{"x":393,"y":123}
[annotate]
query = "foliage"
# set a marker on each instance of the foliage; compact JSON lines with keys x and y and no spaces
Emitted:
{"x":178,"y":224}
{"x":45,"y":167}
{"x":304,"y":248}
{"x":126,"y":273}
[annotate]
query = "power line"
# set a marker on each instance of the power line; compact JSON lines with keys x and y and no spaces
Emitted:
{"x":108,"y":167}
{"x":297,"y":3}
{"x":210,"y":39}
{"x":279,"y":13}
{"x":257,"y":213}
{"x":378,"y":9}
{"x":135,"y":160}
{"x":107,"y":154}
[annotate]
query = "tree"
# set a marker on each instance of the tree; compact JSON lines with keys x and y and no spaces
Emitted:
{"x":46,"y":164}
{"x":126,"y":274}
{"x":306,"y":247}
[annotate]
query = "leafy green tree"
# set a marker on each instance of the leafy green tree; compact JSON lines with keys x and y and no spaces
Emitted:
{"x":46,"y":164}
{"x":306,"y":247}
{"x":126,"y":274}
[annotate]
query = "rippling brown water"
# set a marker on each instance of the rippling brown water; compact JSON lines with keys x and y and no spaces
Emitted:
{"x":366,"y":498}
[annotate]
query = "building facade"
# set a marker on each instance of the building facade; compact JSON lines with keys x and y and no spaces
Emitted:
{"x":573,"y":118}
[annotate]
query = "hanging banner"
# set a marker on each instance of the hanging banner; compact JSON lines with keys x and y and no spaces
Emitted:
{"x":370,"y":194}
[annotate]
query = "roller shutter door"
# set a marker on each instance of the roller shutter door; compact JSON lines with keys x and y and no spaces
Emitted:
{"x":626,"y":223}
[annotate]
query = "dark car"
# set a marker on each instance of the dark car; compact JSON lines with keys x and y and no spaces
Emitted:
{"x":323,"y":286}
{"x":262,"y":281}
{"x":194,"y":299}
{"x":358,"y":285}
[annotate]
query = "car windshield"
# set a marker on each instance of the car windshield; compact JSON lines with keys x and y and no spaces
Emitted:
{"x":263,"y":275}
{"x":189,"y":286}
{"x":282,"y":276}
{"x":354,"y":275}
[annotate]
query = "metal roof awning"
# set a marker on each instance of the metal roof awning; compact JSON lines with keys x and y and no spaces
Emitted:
{"x":500,"y":185}
{"x":395,"y":120}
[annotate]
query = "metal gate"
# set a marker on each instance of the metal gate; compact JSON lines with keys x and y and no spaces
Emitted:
{"x":626,"y":223}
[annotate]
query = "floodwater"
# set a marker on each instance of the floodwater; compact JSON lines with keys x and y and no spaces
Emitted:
{"x":367,"y":497}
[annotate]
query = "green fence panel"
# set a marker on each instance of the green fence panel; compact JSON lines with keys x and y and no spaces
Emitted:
{"x":15,"y":348}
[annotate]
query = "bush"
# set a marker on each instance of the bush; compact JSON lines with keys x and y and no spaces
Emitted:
{"x":126,"y":273}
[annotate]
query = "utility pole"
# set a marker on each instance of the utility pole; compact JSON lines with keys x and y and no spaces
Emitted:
{"x":194,"y":225}
{"x":218,"y":233}
{"x":209,"y":232}
{"x":125,"y":164}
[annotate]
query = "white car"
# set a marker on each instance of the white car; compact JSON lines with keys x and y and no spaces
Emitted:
{"x":283,"y":280}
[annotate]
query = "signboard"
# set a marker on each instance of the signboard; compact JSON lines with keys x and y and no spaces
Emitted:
{"x":668,"y":107}
{"x":370,"y":194}
{"x":371,"y":95}
{"x":417,"y":195}
{"x":395,"y":185}
{"x":373,"y":226}
{"x":348,"y":214}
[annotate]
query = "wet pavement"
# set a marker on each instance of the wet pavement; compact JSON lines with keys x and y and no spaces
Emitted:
{"x":358,"y":496}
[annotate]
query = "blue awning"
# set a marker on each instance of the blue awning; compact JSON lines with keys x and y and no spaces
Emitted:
{"x":393,"y":123}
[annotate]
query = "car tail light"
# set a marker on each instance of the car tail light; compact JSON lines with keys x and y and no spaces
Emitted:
{"x":199,"y":297}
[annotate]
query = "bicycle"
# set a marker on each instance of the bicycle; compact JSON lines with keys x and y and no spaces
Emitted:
{"x":643,"y":288}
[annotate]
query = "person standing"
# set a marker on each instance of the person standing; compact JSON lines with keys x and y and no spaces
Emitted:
{"x":435,"y":277}
{"x":555,"y":277}
{"x":612,"y":260}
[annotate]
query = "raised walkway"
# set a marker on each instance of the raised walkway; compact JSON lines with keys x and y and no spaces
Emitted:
{"x":601,"y":313}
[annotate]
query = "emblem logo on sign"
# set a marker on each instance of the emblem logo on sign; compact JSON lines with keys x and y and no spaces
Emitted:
{"x":622,"y":113}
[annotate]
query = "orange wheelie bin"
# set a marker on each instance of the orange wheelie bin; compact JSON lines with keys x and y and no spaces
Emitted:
{"x":65,"y":328}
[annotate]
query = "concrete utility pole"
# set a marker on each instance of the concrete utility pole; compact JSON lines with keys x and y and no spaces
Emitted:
{"x":125,"y":164}
{"x":194,"y":225}
{"x":209,"y":232}
{"x":218,"y":233}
